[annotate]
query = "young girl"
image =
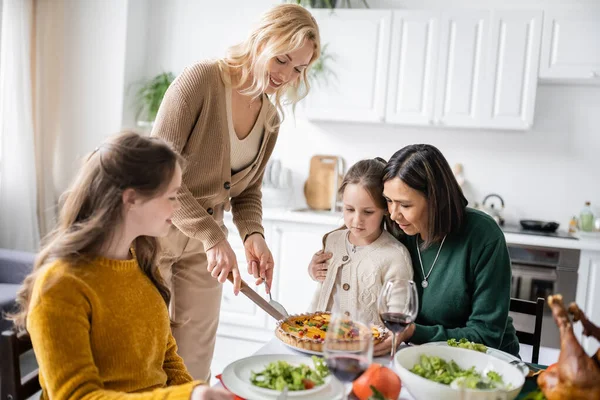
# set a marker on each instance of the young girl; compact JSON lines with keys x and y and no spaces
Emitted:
{"x":362,"y":254}
{"x":95,"y":305}
{"x":222,"y":115}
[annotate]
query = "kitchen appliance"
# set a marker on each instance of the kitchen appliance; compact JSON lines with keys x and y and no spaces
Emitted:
{"x":324,"y":179}
{"x":540,"y":272}
{"x":514,"y":228}
{"x":493,"y":208}
{"x":542,"y":226}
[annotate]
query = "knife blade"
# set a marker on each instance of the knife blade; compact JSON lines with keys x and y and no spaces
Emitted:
{"x":257,"y":299}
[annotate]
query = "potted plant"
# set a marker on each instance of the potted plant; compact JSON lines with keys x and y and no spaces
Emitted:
{"x":325,"y":3}
{"x":149,"y":96}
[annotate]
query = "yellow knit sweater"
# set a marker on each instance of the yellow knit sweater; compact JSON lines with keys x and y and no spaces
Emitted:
{"x":100,"y":330}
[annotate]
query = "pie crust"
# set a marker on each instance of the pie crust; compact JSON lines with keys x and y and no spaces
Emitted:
{"x":289,"y":330}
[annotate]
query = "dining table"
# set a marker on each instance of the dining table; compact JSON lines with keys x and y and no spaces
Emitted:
{"x":275,"y":346}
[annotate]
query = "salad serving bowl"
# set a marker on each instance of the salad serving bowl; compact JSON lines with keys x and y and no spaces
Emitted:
{"x":425,"y":389}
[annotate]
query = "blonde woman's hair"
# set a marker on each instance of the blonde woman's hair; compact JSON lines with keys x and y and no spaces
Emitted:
{"x":93,"y":205}
{"x":282,"y":29}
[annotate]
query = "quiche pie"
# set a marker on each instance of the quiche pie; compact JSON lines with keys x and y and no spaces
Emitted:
{"x":307,"y":331}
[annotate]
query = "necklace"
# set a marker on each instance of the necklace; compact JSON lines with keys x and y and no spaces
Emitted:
{"x":425,"y":283}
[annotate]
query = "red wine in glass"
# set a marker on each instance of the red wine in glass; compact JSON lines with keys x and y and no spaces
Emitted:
{"x":347,"y":367}
{"x":396,"y":322}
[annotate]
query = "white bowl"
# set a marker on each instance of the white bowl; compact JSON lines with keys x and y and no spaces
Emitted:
{"x":424,"y":389}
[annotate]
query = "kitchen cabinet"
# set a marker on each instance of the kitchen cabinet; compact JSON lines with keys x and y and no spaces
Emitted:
{"x":588,"y":295}
{"x":413,"y":67}
{"x":463,"y":51}
{"x":239,"y":310}
{"x":457,"y":68}
{"x":358,"y":41}
{"x":510,"y":80}
{"x":571,"y":45}
{"x":296,"y":243}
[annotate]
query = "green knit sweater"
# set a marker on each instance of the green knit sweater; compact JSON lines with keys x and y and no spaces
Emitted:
{"x":468,"y":293}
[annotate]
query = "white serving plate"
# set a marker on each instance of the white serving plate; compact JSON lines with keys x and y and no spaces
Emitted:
{"x":236,"y":378}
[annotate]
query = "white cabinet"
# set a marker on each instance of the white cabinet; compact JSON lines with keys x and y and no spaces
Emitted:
{"x":588,"y":295}
{"x":239,"y":310}
{"x":464,"y":68}
{"x":296,"y":244}
{"x":463,"y":48}
{"x":413,"y":67}
{"x":510,"y":80}
{"x":571,"y":45}
{"x":358,"y":41}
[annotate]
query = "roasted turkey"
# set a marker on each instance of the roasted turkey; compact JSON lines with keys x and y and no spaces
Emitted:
{"x":576,"y":376}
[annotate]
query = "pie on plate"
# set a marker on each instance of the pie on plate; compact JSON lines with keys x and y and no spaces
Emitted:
{"x":306,"y":332}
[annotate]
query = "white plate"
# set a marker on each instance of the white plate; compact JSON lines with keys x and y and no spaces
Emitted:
{"x":491,"y":351}
{"x":311,"y":352}
{"x":236,"y":378}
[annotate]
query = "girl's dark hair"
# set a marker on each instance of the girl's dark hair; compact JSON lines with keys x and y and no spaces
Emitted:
{"x":367,"y":174}
{"x":93,"y":204}
{"x":424,"y":168}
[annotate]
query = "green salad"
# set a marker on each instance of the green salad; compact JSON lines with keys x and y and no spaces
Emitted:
{"x":279,"y":374}
{"x":438,"y":370}
{"x":465,"y":344}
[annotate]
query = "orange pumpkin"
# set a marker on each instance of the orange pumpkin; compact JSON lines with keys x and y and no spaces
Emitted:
{"x":381,"y":378}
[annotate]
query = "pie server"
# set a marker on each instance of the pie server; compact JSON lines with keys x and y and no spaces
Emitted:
{"x":258,"y":299}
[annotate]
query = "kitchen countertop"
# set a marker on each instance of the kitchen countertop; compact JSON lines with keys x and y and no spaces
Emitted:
{"x":335,"y":219}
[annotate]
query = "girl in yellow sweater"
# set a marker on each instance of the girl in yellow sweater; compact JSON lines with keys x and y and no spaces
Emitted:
{"x":95,"y":305}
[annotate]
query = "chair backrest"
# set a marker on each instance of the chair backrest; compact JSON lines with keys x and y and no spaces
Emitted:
{"x":535,"y":308}
{"x":12,"y":387}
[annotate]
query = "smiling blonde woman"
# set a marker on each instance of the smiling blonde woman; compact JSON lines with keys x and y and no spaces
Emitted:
{"x":223,"y":116}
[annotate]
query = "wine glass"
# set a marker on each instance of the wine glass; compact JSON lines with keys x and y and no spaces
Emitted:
{"x":348,"y":348}
{"x":398,"y":305}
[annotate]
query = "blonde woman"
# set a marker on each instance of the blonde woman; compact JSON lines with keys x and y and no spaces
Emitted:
{"x":223,"y":116}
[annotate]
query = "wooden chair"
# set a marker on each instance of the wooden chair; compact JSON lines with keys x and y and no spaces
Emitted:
{"x":535,"y":308}
{"x":12,"y":387}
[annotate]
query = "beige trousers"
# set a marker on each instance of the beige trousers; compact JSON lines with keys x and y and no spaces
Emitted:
{"x":195,"y":299}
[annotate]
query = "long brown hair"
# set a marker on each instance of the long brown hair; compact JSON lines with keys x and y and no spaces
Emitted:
{"x":281,"y":29}
{"x":424,"y":168}
{"x":93,"y":205}
{"x":368,"y":174}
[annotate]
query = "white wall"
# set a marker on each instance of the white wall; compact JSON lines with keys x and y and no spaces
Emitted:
{"x":546,"y":173}
{"x":90,"y":79}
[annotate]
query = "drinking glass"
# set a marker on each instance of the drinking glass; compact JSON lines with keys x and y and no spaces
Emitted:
{"x":348,"y":348}
{"x":398,"y":306}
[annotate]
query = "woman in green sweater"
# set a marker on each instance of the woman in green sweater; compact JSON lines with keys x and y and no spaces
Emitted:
{"x":459,"y":255}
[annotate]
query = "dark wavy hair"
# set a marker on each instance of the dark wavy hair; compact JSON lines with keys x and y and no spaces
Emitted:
{"x":424,"y":168}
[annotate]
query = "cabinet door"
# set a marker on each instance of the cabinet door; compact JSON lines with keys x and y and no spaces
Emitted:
{"x":296,"y":243}
{"x":571,"y":45}
{"x":463,"y":51}
{"x":588,"y":295}
{"x":239,"y":310}
{"x":413,"y":66}
{"x":511,"y":77}
{"x":358,"y":41}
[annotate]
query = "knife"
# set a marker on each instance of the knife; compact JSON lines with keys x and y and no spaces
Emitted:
{"x":257,"y":299}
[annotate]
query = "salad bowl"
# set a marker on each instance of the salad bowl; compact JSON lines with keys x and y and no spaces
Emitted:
{"x":422,"y":388}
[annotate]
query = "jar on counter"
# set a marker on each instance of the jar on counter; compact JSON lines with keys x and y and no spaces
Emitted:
{"x":573,"y":225}
{"x":586,"y":218}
